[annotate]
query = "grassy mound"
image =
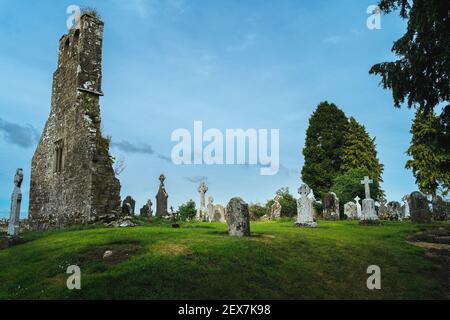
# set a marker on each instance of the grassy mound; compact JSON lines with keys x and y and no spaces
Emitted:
{"x":199,"y":261}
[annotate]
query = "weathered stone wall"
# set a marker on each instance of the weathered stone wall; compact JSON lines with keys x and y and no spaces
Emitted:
{"x":84,"y":187}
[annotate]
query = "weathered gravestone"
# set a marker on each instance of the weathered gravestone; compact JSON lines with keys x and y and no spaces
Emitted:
{"x":358,"y":208}
{"x":351,"y":210}
{"x":276,"y":208}
{"x":393,"y":210}
{"x":238,"y":218}
{"x":161,"y":199}
{"x":128,"y":206}
{"x":16,"y":201}
{"x":147,"y":211}
{"x":406,"y":212}
{"x":331,"y":206}
{"x":305,"y":207}
{"x":441,"y":209}
{"x":202,"y":213}
{"x":369,"y":214}
{"x":418,"y":206}
{"x":382,"y":208}
{"x":216,"y":212}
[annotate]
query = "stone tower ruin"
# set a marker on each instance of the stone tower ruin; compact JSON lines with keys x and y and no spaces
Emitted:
{"x":72,"y":176}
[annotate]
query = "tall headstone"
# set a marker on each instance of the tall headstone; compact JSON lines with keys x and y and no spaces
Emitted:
{"x":358,"y":208}
{"x":238,"y":218}
{"x":276,"y":208}
{"x":331,"y":206}
{"x":305,"y":207}
{"x":128,"y":206}
{"x":419,"y":209}
{"x":72,"y":176}
{"x":202,"y":213}
{"x":16,"y":200}
{"x":351,"y":211}
{"x":161,"y":199}
{"x":406,"y":212}
{"x":147,"y":211}
{"x":369,"y":214}
{"x":382,"y":208}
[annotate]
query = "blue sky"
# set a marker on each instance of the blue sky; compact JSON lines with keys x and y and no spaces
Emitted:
{"x":231,"y":64}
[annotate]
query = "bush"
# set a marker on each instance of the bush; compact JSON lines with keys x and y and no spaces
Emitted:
{"x":257,"y":211}
{"x":187,"y":211}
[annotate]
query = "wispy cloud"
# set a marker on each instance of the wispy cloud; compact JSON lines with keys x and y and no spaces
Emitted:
{"x":130,"y":147}
{"x":196,"y":179}
{"x":333,"y":39}
{"x":24,"y":136}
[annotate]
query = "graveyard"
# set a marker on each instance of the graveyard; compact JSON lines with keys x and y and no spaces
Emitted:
{"x":199,"y":261}
{"x":346,"y":222}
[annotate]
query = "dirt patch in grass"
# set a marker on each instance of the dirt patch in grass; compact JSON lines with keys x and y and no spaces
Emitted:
{"x":436,"y":242}
{"x":171,"y":249}
{"x":120,"y":252}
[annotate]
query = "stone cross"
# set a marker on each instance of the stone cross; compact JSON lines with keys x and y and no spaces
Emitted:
{"x":16,"y":201}
{"x":202,"y":189}
{"x":366,"y":182}
{"x":161,"y":198}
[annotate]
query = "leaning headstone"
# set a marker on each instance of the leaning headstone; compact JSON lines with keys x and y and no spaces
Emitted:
{"x":418,"y":206}
{"x":394,"y":210}
{"x":358,"y":208}
{"x":16,"y":201}
{"x":147,"y":211}
{"x":202,"y":213}
{"x":161,"y":199}
{"x":128,"y":206}
{"x":331,"y":206}
{"x":305,"y":207}
{"x":238,"y":218}
{"x":276,"y":208}
{"x":369,"y":214}
{"x":351,"y":210}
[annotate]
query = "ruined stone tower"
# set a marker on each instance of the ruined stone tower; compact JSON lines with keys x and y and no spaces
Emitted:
{"x":72,"y":178}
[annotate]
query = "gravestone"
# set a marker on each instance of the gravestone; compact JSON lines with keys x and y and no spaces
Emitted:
{"x":202,"y":213}
{"x":161,"y":199}
{"x":331,"y":206}
{"x":358,"y":208}
{"x":406,"y":212}
{"x":441,"y":209}
{"x":147,"y":211}
{"x":350,"y":210}
{"x":128,"y":206}
{"x":276,"y":208}
{"x":238,"y":218}
{"x":382,"y":208}
{"x":216,"y":212}
{"x":16,"y":201}
{"x":305,"y":207}
{"x":394,"y":210}
{"x":369,"y":214}
{"x":418,"y":206}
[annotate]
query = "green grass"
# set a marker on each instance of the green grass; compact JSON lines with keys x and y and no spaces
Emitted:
{"x":199,"y":261}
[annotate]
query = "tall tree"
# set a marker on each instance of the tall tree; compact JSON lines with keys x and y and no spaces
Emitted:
{"x":421,"y":77}
{"x":323,"y":147}
{"x":429,"y":163}
{"x":359,"y":151}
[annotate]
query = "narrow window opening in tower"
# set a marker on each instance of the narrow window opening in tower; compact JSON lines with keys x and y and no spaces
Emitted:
{"x":76,"y":35}
{"x":67,"y":43}
{"x":59,"y":147}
